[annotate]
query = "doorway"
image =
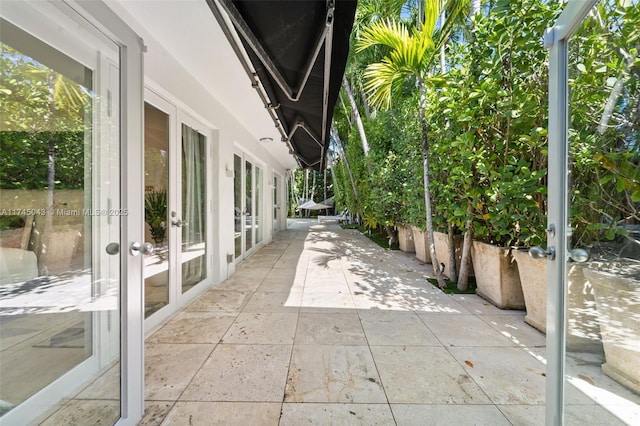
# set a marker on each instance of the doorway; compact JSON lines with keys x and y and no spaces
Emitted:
{"x":248,"y":200}
{"x":175,"y":194}
{"x":277,"y":206}
{"x":63,"y":212}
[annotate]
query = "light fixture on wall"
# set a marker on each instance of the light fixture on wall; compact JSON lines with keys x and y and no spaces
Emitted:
{"x":229,"y":172}
{"x":266,"y":139}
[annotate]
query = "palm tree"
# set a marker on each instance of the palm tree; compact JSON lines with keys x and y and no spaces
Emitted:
{"x":368,"y":12}
{"x":411,"y":54}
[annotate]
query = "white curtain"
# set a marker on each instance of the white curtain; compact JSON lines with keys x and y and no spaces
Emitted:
{"x":193,"y":207}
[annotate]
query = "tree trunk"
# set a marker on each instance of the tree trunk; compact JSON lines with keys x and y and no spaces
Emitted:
{"x":365,"y":104}
{"x":294,"y":193}
{"x":437,"y":269}
{"x":392,"y":234}
{"x":346,"y":111}
{"x":463,"y":279}
{"x":346,"y":163}
{"x":356,"y":115}
{"x":453,"y":272}
{"x":443,"y":63}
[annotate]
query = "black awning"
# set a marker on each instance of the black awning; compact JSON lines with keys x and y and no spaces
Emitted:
{"x":298,"y":50}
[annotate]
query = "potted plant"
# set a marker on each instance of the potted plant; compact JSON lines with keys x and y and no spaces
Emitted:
{"x":405,"y":238}
{"x":155,"y":214}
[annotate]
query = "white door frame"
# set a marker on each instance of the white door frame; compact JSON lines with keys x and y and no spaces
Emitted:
{"x":131,"y":186}
{"x":162,"y":104}
{"x":277,"y":204}
{"x":177,"y":117}
{"x":244,"y":158}
{"x":556,"y":39}
{"x":197,"y":125}
{"x":96,"y":14}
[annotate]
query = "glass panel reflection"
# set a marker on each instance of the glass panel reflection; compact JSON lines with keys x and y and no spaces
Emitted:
{"x":193,"y":257}
{"x":156,"y":175}
{"x":237,"y":204}
{"x":603,"y":330}
{"x":248,"y":233}
{"x":59,"y":226}
{"x":258,"y":212}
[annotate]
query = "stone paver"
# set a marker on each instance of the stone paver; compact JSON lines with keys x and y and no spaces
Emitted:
{"x":324,"y":327}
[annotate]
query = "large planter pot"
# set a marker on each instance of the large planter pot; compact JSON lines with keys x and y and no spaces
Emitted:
{"x":442,"y":251}
{"x":421,"y":244}
{"x":405,"y":237}
{"x":583,"y":333}
{"x":617,"y":293}
{"x":533,"y":280}
{"x":497,"y":276}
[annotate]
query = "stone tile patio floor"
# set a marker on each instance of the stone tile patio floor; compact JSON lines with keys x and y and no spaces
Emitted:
{"x":324,"y":327}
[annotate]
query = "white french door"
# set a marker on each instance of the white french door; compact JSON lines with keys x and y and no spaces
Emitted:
{"x":176,"y":219}
{"x":248,"y":201}
{"x":277,"y":206}
{"x":67,"y":315}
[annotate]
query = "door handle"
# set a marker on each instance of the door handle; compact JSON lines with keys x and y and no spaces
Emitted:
{"x":177,"y":223}
{"x":113,"y":249}
{"x":579,"y":255}
{"x":136,"y":248}
{"x":538,"y":252}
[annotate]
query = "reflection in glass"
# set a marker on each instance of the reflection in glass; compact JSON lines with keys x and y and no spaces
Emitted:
{"x":258,"y":211}
{"x":603,"y":333}
{"x":194,"y":191}
{"x":57,"y":283}
{"x":275,"y":204}
{"x":156,"y":181}
{"x":248,"y":240}
{"x":237,"y":204}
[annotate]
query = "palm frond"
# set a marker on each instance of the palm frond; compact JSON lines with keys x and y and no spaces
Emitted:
{"x":415,"y":55}
{"x":457,"y":11}
{"x":432,"y":11}
{"x":383,"y":80}
{"x":387,"y":33}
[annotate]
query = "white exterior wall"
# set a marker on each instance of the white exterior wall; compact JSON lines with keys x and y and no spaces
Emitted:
{"x":227,"y":133}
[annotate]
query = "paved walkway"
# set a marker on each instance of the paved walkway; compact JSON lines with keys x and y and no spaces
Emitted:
{"x":322,"y":326}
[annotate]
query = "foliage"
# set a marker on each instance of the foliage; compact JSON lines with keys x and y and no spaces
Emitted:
{"x":487,"y":124}
{"x":25,"y":157}
{"x":155,"y":214}
{"x":42,"y":117}
{"x":451,"y":287}
{"x":488,"y":121}
{"x":604,"y":135}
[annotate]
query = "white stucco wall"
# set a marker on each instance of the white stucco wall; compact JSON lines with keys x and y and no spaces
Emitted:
{"x":166,"y":76}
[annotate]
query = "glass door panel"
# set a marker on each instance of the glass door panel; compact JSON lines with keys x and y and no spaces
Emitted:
{"x":238,"y":207}
{"x":59,"y":217}
{"x":248,"y":221}
{"x":601,"y":263}
{"x":276,"y":206}
{"x":257,"y":216}
{"x":193,"y":221}
{"x":156,"y":170}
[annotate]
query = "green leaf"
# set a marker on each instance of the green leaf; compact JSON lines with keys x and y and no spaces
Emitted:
{"x":610,"y":234}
